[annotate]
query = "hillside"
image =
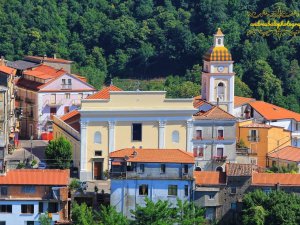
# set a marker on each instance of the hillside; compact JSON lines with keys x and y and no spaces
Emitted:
{"x":149,"y":39}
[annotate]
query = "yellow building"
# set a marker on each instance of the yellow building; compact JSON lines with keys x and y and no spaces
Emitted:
{"x":261,"y":139}
{"x":113,"y":119}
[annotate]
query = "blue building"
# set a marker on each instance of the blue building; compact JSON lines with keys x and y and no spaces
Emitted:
{"x":165,"y":174}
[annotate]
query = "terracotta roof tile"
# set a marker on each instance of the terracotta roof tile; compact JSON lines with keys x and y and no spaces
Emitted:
{"x":104,"y":93}
{"x":236,"y":169}
{"x":44,"y":72}
{"x":271,"y":179}
{"x":213,"y":114}
{"x":69,"y":115}
{"x":7,"y":70}
{"x":273,"y":112}
{"x":239,"y":101}
{"x":209,"y":177}
{"x":289,"y":153}
{"x":154,"y":155}
{"x":35,"y":177}
{"x":31,"y":85}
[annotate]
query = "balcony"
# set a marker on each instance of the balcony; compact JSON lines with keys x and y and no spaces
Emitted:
{"x":148,"y":175}
{"x":66,"y":86}
{"x":220,"y":138}
{"x":296,"y":134}
{"x":220,"y":158}
{"x":245,"y":151}
{"x":253,"y":138}
{"x":29,"y":100}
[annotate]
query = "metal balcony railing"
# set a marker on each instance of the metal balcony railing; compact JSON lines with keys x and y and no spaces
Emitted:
{"x":253,"y":138}
{"x":220,"y":158}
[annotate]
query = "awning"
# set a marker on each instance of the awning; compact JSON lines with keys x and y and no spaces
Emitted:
{"x":116,"y":163}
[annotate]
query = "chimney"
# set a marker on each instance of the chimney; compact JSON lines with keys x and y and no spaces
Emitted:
{"x":54,"y":56}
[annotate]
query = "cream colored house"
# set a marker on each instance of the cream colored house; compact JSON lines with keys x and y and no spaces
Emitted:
{"x":130,"y":119}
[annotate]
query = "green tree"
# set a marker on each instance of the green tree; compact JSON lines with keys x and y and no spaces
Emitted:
{"x":189,"y":214}
{"x":82,"y":214}
{"x":44,"y":219}
{"x":59,"y":153}
{"x":109,"y":216}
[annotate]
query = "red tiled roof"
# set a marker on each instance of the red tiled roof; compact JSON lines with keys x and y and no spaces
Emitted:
{"x":238,"y":100}
{"x":214,"y":113}
{"x":69,"y":115}
{"x":104,"y":93}
{"x":237,"y":169}
{"x":273,"y":112}
{"x":26,"y":84}
{"x":47,"y":59}
{"x":289,"y":153}
{"x":154,"y":155}
{"x":35,"y":177}
{"x":209,"y":177}
{"x":271,"y":179}
{"x":44,"y":72}
{"x":7,"y":70}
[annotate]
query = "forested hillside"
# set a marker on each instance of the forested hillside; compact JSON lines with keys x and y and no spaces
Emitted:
{"x":147,"y":39}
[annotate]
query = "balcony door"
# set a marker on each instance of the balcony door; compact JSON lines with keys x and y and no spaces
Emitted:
{"x":220,"y":152}
{"x":52,"y":112}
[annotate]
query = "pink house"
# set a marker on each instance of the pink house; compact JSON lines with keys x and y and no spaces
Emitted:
{"x":44,"y":91}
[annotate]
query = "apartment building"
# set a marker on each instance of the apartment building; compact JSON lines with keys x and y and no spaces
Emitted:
{"x":26,"y":194}
{"x":159,"y":174}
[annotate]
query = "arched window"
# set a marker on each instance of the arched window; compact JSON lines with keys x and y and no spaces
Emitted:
{"x":219,"y":41}
{"x":97,"y":137}
{"x":221,"y":91}
{"x":175,"y":136}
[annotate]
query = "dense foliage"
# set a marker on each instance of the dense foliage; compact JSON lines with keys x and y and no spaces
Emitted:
{"x":59,"y":153}
{"x":274,"y":208}
{"x":149,"y":39}
{"x":159,"y":213}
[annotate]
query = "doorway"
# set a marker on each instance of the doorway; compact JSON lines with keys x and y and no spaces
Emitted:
{"x":98,"y":167}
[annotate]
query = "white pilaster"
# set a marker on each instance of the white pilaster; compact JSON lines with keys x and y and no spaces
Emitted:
{"x":83,"y":150}
{"x":231,"y":99}
{"x":189,"y":135}
{"x":211,"y":89}
{"x":161,"y":133}
{"x":111,"y":136}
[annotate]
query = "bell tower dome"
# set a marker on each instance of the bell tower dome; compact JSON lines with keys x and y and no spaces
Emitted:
{"x":218,"y":75}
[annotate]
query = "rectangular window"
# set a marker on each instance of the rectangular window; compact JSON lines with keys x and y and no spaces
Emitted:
{"x":67,"y":95}
{"x":3,"y":191}
{"x":199,"y":134}
{"x":69,"y":81}
{"x":200,"y":152}
{"x":142,"y":168}
{"x":172,"y":190}
{"x":98,"y":153}
{"x":143,"y":189}
{"x":52,"y":207}
{"x":136,"y":131}
{"x":29,"y":222}
{"x":5,"y":208}
{"x":28,"y":189}
{"x":53,"y":99}
{"x":80,"y":95}
{"x":2,"y":223}
{"x":186,"y":169}
{"x":253,"y":136}
{"x":186,"y":190}
{"x":220,"y":134}
{"x":233,"y":190}
{"x":162,"y":168}
{"x":41,"y":207}
{"x":267,"y":190}
{"x":27,"y":209}
{"x":63,"y":81}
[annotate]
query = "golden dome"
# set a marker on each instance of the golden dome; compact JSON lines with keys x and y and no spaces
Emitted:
{"x":217,"y":53}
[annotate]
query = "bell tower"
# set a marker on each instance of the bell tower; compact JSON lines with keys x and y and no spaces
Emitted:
{"x":218,"y":75}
